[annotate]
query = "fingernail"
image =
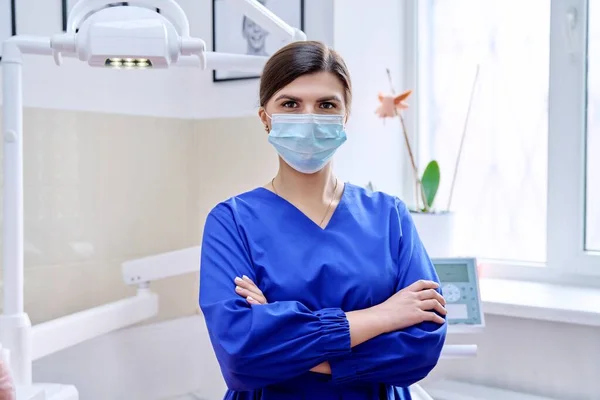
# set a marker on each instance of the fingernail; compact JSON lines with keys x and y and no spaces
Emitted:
{"x":238,"y":289}
{"x":238,"y":279}
{"x":251,"y":299}
{"x":245,"y":277}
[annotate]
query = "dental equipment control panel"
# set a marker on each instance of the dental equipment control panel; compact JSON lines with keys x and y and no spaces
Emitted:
{"x":460,"y":288}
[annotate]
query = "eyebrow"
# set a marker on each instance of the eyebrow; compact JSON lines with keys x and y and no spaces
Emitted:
{"x":297,"y":99}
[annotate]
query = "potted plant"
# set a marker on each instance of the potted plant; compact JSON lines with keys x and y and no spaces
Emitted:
{"x":434,"y":224}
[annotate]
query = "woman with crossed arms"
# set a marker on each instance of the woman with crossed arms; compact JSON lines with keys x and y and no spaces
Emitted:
{"x":312,"y":288}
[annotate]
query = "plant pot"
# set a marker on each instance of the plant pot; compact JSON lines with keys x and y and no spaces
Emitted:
{"x":436,"y":231}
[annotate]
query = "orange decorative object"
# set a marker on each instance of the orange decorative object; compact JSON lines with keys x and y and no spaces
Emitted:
{"x":390,"y":104}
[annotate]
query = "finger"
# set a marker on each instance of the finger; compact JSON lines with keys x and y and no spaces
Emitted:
{"x":252,"y":301}
{"x":247,"y":283}
{"x":245,"y":278}
{"x":431,"y":294}
{"x":247,"y":293}
{"x":433,"y":317}
{"x":433,"y":304}
{"x":422,"y":285}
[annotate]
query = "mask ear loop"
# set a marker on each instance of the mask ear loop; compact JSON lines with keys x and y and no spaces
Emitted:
{"x":266,"y":126}
{"x":345,"y":121}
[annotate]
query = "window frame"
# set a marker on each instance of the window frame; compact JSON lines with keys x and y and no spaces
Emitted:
{"x":567,"y":261}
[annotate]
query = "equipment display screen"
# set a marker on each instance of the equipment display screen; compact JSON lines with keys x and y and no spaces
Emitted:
{"x":452,"y":272}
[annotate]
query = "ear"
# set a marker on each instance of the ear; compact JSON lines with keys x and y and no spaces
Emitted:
{"x":264,"y":119}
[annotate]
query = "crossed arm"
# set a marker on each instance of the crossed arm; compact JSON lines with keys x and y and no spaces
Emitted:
{"x":364,"y":324}
{"x":253,"y":340}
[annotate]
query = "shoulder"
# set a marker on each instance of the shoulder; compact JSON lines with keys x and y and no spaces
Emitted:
{"x":376,"y":201}
{"x":381,"y":210}
{"x":242,"y":206}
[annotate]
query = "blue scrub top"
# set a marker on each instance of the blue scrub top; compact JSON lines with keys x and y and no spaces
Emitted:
{"x":311,"y":276}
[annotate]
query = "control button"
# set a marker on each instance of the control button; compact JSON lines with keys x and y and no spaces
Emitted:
{"x":451,"y":293}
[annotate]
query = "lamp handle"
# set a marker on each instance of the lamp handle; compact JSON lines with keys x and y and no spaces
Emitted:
{"x":169,"y":8}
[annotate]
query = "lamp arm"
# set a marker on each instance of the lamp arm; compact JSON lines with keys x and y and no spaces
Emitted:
{"x":268,"y":20}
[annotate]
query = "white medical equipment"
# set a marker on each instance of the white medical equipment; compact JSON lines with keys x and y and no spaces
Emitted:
{"x":123,"y":37}
{"x":460,"y":288}
{"x":459,"y":280}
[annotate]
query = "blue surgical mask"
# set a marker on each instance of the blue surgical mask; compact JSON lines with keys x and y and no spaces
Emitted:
{"x":307,"y":141}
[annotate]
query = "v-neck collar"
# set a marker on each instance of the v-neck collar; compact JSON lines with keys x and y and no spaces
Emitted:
{"x":338,"y":208}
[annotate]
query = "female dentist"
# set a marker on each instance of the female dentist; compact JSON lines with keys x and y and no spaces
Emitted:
{"x":312,"y":288}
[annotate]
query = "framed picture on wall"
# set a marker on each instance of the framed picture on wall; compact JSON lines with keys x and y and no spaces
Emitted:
{"x":67,"y":5}
{"x":235,"y":33}
{"x":8,"y":21}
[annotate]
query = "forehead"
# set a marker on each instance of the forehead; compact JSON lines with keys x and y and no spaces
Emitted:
{"x":314,"y":85}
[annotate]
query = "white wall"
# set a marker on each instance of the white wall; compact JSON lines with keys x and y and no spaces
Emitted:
{"x":177,"y":93}
{"x":370,"y":40}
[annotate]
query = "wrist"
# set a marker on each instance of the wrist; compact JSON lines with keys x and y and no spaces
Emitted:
{"x":380,"y":318}
{"x":365,"y":324}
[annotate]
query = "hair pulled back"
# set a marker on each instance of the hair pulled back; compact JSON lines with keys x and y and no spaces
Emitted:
{"x":298,"y":59}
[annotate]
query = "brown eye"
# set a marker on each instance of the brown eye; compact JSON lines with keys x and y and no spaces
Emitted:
{"x":327,"y":105}
{"x":290,"y":104}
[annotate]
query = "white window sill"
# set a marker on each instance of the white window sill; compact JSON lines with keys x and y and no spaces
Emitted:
{"x":541,"y":301}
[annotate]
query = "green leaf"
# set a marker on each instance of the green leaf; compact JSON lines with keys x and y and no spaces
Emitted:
{"x":431,"y":182}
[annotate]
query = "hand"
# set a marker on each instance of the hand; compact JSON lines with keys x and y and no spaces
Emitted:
{"x":248,"y":290}
{"x":412,"y":305}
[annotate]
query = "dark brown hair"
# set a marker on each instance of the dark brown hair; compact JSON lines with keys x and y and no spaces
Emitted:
{"x":302,"y":58}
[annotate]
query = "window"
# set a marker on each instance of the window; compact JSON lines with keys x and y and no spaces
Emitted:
{"x":500,"y":192}
{"x":593,"y":129}
{"x":528,"y":184}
